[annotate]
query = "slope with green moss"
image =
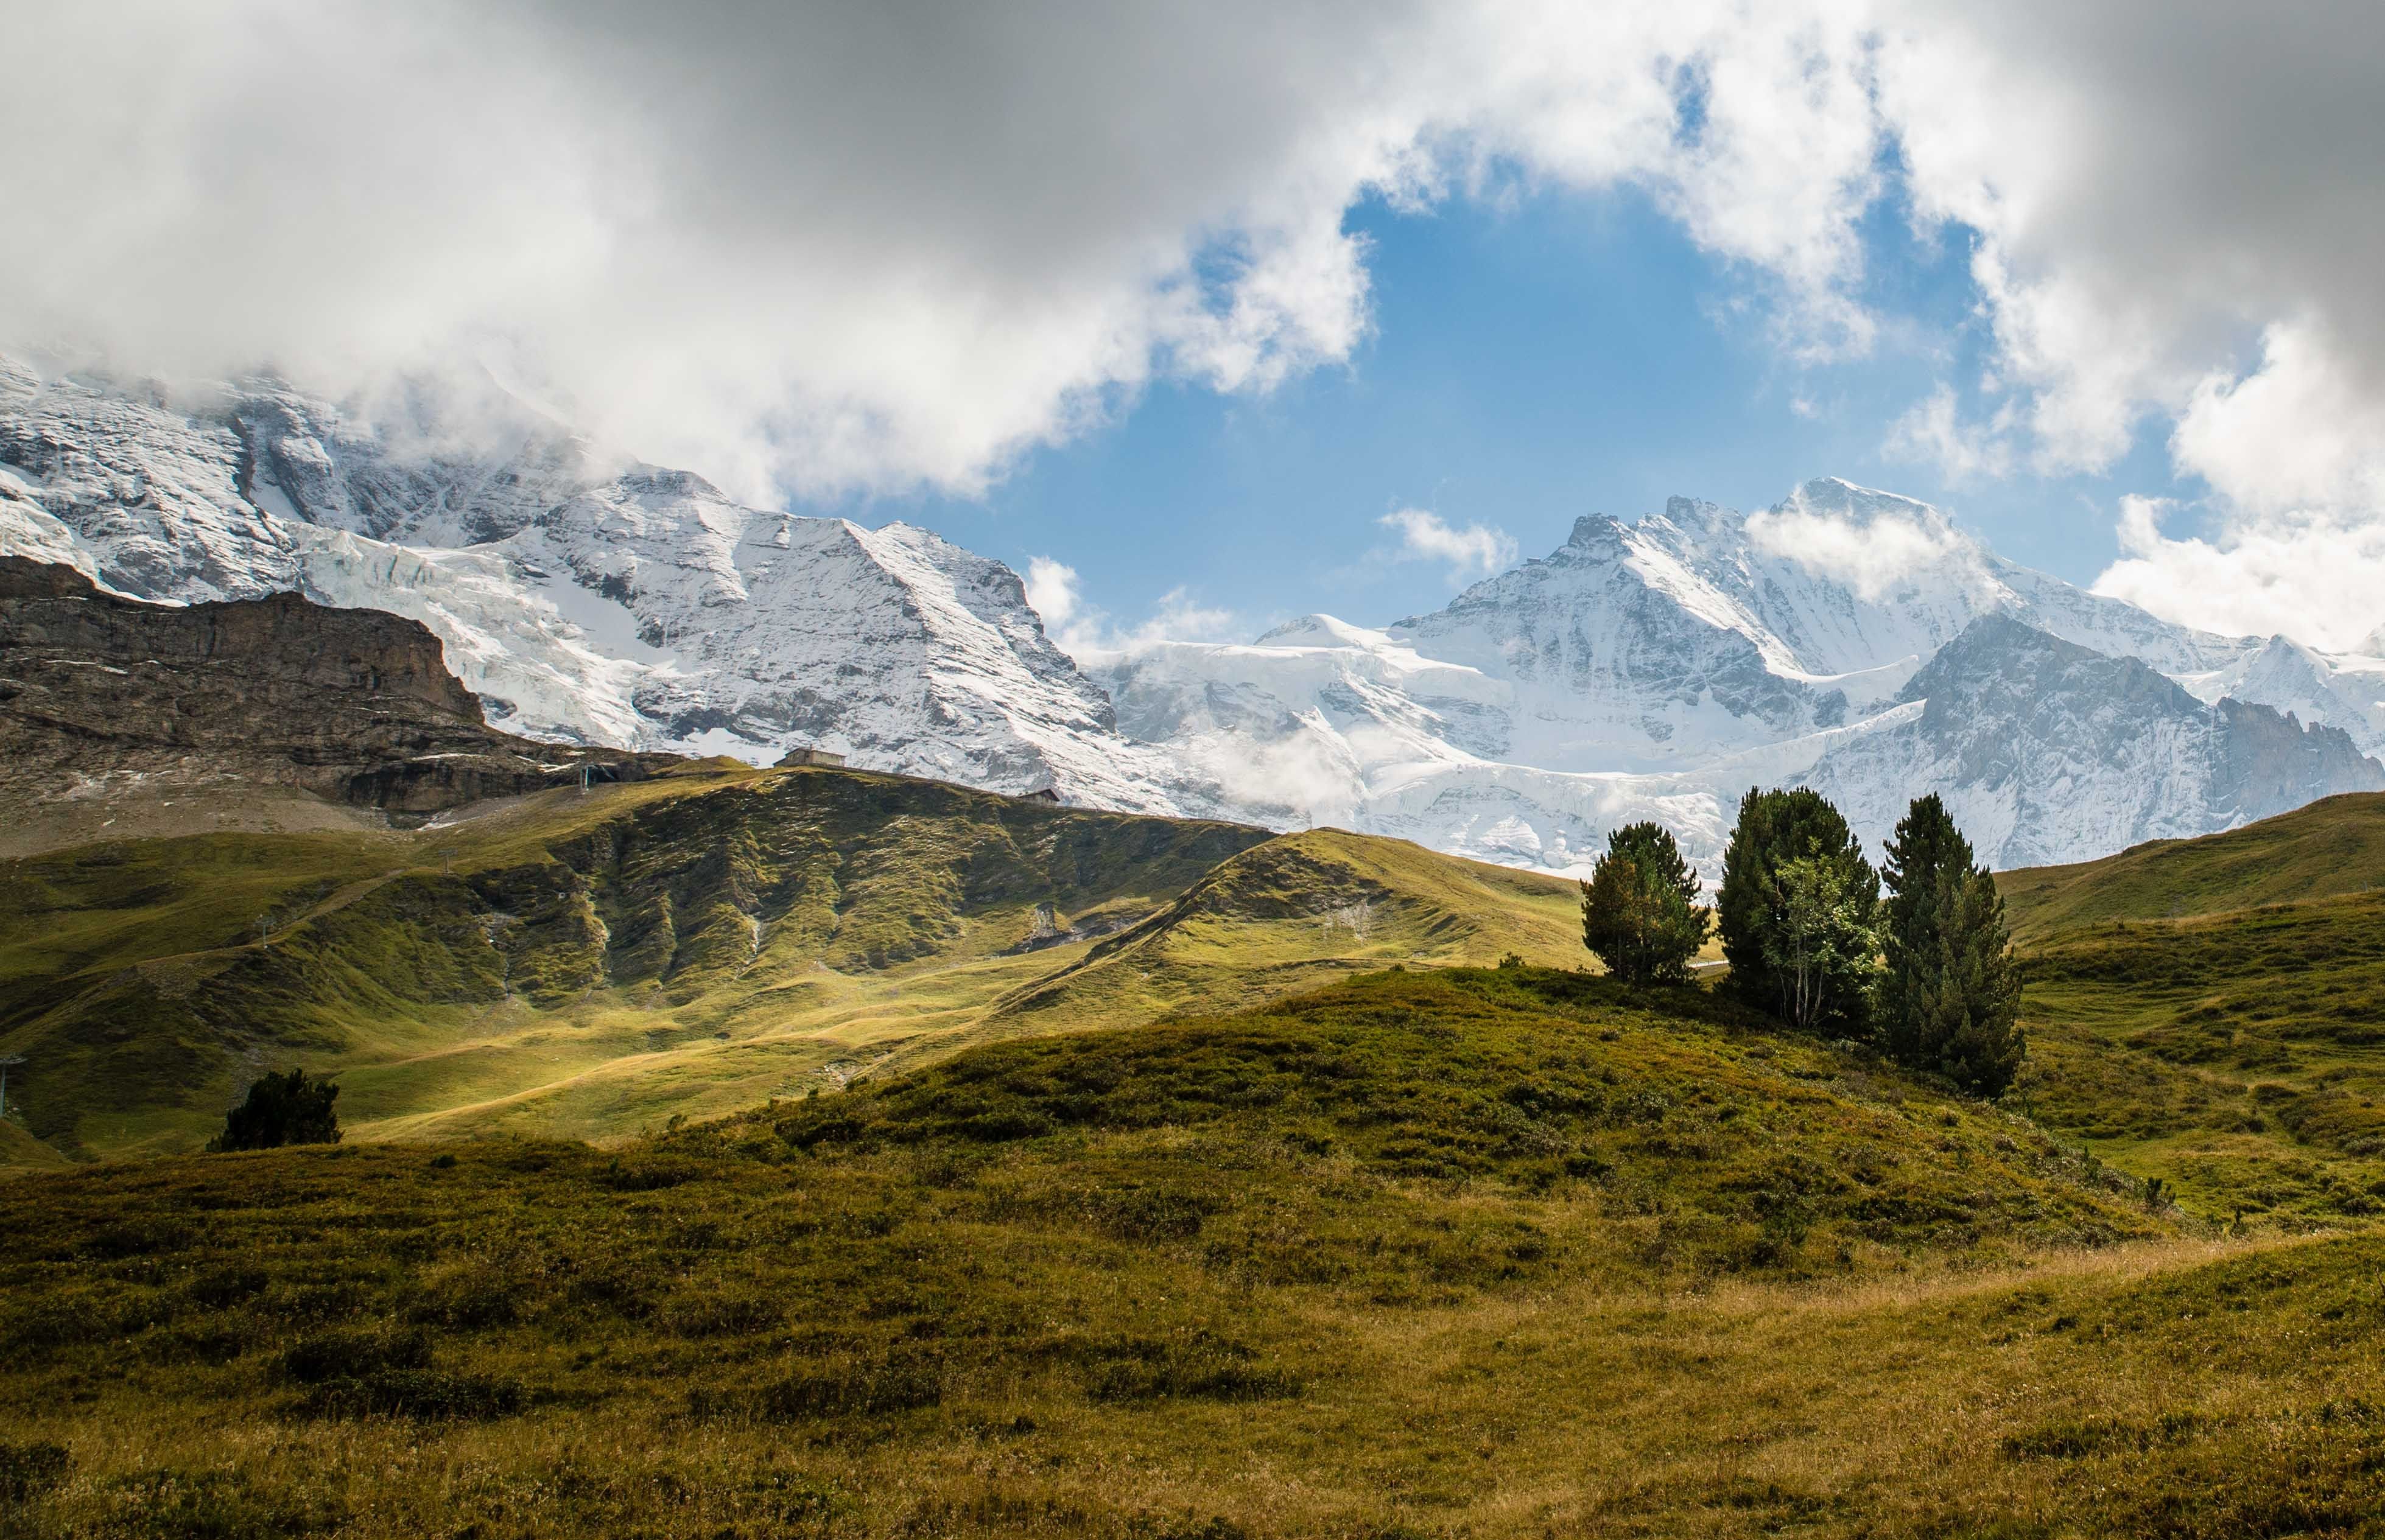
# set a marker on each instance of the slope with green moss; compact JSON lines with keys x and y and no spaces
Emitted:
{"x":2187,"y":1024}
{"x":2331,"y":847}
{"x":589,"y":965}
{"x":1491,"y":1253}
{"x":1302,"y":911}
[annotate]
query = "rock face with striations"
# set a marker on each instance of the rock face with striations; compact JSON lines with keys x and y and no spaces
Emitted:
{"x":354,"y":706}
{"x":2043,"y":749}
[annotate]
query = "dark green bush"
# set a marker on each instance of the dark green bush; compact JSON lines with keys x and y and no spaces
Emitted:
{"x":281,"y":1110}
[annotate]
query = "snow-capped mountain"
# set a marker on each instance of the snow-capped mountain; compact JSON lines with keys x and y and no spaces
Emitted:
{"x":1846,"y":637}
{"x":583,"y":597}
{"x":2342,"y":689}
{"x":1660,"y":668}
{"x":2044,"y":748}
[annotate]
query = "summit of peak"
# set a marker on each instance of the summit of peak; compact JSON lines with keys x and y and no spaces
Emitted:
{"x":1834,"y":494}
{"x":1595,"y":532}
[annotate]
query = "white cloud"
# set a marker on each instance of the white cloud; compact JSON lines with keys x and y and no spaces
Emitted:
{"x":2139,"y":210}
{"x":1932,"y":432}
{"x":1053,"y":591}
{"x":1477,"y":550}
{"x":1872,"y":555}
{"x":2319,"y":580}
{"x":1089,"y":633}
{"x":2299,"y":433}
{"x":829,"y":246}
{"x":823,"y":246}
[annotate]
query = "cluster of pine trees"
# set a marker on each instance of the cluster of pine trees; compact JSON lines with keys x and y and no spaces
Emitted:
{"x":1925,"y":972}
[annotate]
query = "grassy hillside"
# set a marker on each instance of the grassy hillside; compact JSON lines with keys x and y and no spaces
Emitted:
{"x":589,"y":965}
{"x":1302,"y":911}
{"x":1485,"y":1253}
{"x":2185,"y":1023}
{"x":22,"y":1151}
{"x":2332,"y":847}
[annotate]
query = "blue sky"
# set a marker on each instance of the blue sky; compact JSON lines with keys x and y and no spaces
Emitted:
{"x":1532,"y":358}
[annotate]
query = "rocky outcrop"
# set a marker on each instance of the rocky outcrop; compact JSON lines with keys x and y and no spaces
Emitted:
{"x":2043,"y":750}
{"x":584,"y":598}
{"x":354,"y":706}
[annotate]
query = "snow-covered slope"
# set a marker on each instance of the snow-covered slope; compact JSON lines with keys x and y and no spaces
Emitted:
{"x":1701,"y":629}
{"x":583,"y":597}
{"x":2342,"y":689}
{"x":2043,"y":749}
{"x":1657,"y":669}
{"x":1654,"y":669}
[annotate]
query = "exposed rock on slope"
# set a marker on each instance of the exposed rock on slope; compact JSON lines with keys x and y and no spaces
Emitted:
{"x":2041,"y":748}
{"x":585,"y":598}
{"x":99,"y":691}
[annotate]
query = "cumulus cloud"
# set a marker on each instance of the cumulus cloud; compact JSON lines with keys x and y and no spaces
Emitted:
{"x":2319,"y":580}
{"x":827,"y":246}
{"x":823,"y":246}
{"x":2301,"y":432}
{"x":1090,"y":634}
{"x":1477,"y":550}
{"x":2184,"y":230}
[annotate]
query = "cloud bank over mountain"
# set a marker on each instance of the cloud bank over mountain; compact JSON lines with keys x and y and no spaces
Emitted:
{"x":817,"y":249}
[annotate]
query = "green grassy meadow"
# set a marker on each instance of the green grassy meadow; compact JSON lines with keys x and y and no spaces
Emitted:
{"x":595,"y":965}
{"x":1259,"y":1208}
{"x":1478,"y":1252}
{"x":2232,"y":1048}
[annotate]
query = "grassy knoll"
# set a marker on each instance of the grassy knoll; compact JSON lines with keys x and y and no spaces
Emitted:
{"x":1471,"y":1252}
{"x":2186,"y":1024}
{"x":591,"y":965}
{"x":2331,"y":847}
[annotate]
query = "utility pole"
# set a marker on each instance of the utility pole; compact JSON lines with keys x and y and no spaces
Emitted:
{"x":7,"y":1060}
{"x":446,"y":852}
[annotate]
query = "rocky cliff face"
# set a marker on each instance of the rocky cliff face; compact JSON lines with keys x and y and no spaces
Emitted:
{"x":2042,"y":749}
{"x":101,"y":693}
{"x":585,"y":597}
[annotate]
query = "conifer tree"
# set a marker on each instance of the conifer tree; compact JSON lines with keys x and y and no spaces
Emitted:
{"x":1775,"y":828}
{"x":1949,"y":995}
{"x":1640,"y":914}
{"x":281,"y":1109}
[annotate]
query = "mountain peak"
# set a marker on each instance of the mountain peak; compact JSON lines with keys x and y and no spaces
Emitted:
{"x":1832,"y":495}
{"x":1601,"y":533}
{"x":1319,"y":630}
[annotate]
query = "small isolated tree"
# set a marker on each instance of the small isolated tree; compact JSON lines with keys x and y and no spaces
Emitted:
{"x":1948,"y":997}
{"x":1752,"y":912}
{"x":1640,"y":914}
{"x":281,"y":1109}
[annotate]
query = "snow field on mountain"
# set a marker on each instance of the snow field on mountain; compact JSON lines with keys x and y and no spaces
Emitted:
{"x":1654,"y":669}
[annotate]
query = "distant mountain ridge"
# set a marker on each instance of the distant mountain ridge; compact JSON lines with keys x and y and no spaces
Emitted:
{"x":1657,"y":670}
{"x":583,"y":597}
{"x":1651,"y":669}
